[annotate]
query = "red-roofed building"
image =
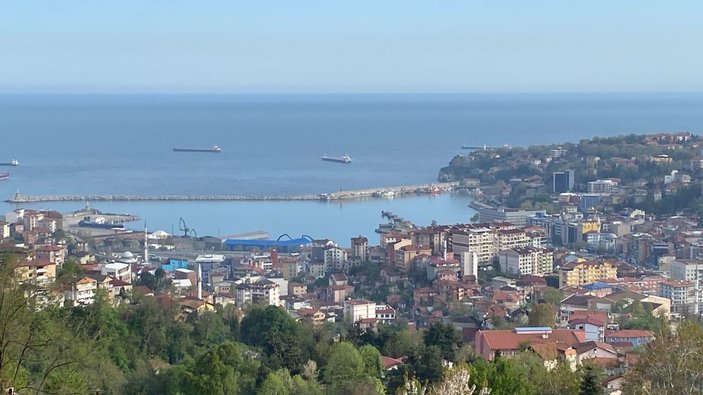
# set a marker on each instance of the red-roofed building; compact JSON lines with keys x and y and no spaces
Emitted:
{"x":636,"y":337}
{"x":511,"y":342}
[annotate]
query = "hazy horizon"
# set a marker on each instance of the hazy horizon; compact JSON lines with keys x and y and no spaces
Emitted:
{"x":312,"y":47}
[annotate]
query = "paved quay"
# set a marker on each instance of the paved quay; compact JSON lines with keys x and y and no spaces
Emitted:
{"x":385,"y":192}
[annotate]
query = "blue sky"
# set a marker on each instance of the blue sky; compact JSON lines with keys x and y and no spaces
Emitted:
{"x":351,"y":46}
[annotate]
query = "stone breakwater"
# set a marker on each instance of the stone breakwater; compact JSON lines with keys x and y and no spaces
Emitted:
{"x":386,"y":192}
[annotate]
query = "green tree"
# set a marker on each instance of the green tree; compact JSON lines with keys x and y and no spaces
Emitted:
{"x":670,"y":364}
{"x":344,"y":365}
{"x":542,"y":315}
{"x":445,"y":337}
{"x":276,"y":383}
{"x":591,"y":380}
{"x":373,"y":367}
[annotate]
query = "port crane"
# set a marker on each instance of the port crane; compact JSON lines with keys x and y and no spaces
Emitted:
{"x":187,"y":232}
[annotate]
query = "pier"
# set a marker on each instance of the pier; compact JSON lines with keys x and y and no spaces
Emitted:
{"x":385,"y":192}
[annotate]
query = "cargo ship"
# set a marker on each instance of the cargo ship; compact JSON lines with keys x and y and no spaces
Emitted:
{"x":13,"y":162}
{"x":215,"y":149}
{"x":344,"y":159}
{"x":4,"y":176}
{"x":99,"y":223}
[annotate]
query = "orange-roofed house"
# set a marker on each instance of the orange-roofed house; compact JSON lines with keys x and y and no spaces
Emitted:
{"x":509,"y":342}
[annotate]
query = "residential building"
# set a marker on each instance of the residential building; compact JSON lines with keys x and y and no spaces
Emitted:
{"x":506,"y":239}
{"x":635,"y":337}
{"x":405,"y":255}
{"x":335,"y":257}
{"x":689,"y":270}
{"x":257,"y":290}
{"x":602,"y":186}
{"x":578,"y":273}
{"x":118,"y":271}
{"x":54,"y":253}
{"x":527,"y":260}
{"x":360,"y":248}
{"x":510,"y":342}
{"x":36,"y":271}
{"x":359,"y":309}
{"x":477,"y":240}
{"x":82,"y":292}
{"x":683,"y":296}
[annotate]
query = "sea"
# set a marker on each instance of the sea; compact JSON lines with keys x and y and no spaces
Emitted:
{"x":272,"y":145}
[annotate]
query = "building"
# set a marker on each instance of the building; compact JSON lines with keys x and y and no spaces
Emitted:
{"x":517,"y":217}
{"x":563,"y":181}
{"x":602,"y":186}
{"x":576,"y":274}
{"x":335,"y":257}
{"x":477,"y":240}
{"x":510,"y":342}
{"x":506,"y":239}
{"x":527,"y":260}
{"x":82,"y":292}
{"x":36,"y":271}
{"x":360,"y":248}
{"x":682,"y":294}
{"x":405,"y":255}
{"x":469,"y":265}
{"x":118,"y":271}
{"x":359,"y":309}
{"x":257,"y":290}
{"x":54,"y":253}
{"x":692,"y":271}
{"x":635,"y":337}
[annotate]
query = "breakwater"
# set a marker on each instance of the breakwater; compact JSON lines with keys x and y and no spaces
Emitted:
{"x":385,"y":192}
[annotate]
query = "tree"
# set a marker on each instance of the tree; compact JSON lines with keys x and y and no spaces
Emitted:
{"x":455,"y":381}
{"x":372,"y":361}
{"x":344,"y":365}
{"x":552,"y":296}
{"x":591,"y":380}
{"x":670,"y":364}
{"x":542,"y":315}
{"x":279,"y":335}
{"x":445,"y":337}
{"x":276,"y":383}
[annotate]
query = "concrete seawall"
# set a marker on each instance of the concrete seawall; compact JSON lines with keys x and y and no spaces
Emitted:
{"x":385,"y":192}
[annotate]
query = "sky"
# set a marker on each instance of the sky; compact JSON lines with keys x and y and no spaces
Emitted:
{"x":354,"y":46}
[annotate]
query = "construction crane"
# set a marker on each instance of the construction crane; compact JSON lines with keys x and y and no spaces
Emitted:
{"x":187,"y":232}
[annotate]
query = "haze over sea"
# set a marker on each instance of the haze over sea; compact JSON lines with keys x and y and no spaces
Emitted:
{"x":122,"y":144}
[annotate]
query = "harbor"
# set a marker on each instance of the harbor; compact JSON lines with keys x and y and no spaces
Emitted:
{"x":385,"y":192}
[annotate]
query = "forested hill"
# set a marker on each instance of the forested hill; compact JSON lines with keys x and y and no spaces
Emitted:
{"x":628,"y":158}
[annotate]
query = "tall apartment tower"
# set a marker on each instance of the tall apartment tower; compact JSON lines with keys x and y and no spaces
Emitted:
{"x":469,"y":264}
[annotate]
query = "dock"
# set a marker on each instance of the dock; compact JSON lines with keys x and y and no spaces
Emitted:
{"x":385,"y":192}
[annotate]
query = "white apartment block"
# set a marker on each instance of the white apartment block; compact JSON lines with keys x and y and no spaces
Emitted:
{"x":527,"y":260}
{"x":359,"y":309}
{"x":689,"y":270}
{"x":478,"y":240}
{"x":602,"y":186}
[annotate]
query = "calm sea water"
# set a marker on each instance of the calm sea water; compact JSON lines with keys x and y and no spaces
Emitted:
{"x":83,"y":144}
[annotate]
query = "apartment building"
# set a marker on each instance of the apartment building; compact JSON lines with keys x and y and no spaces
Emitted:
{"x":527,"y":260}
{"x":576,"y":274}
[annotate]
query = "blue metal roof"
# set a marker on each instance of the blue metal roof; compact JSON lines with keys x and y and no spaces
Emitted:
{"x":268,"y":243}
{"x":596,"y":286}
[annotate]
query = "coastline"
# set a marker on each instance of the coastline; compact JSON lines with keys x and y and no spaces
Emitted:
{"x":385,"y":192}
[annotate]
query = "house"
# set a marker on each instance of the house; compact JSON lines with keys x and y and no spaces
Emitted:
{"x":510,"y":342}
{"x":636,"y":337}
{"x":82,"y":292}
{"x":118,"y":271}
{"x":594,"y":327}
{"x":390,"y":363}
{"x":598,"y":351}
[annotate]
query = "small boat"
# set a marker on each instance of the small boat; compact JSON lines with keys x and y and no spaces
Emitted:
{"x":215,"y":149}
{"x":344,"y":159}
{"x":13,"y":162}
{"x":4,"y":176}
